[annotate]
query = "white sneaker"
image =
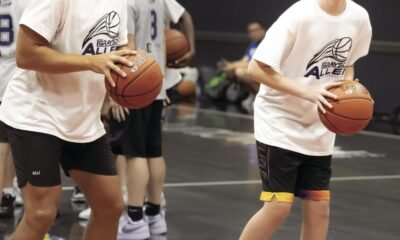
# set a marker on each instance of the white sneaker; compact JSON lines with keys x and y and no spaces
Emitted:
{"x":18,"y":197}
{"x":157,"y":224}
{"x":85,"y":214}
{"x":163,"y":201}
{"x":78,"y":196}
{"x":130,"y":230}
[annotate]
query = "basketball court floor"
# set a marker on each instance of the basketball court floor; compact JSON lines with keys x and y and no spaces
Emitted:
{"x":213,"y":183}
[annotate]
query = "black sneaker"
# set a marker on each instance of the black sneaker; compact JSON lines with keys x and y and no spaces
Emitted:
{"x":7,"y":206}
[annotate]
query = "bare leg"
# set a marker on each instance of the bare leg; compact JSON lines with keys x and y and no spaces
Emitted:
{"x":4,"y":152}
{"x":315,"y":220}
{"x":41,"y":205}
{"x":266,"y":221}
{"x":104,"y":196}
{"x":157,"y":171}
{"x":138,"y":179}
{"x":121,"y":168}
{"x":10,"y":172}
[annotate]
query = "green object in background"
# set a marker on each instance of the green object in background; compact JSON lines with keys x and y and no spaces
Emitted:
{"x":215,"y":81}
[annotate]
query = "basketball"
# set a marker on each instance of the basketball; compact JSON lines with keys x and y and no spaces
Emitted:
{"x":142,"y":84}
{"x":351,"y":111}
{"x":176,"y":44}
{"x":186,"y":88}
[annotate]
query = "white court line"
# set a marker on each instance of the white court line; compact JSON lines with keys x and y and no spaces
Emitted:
{"x":254,"y":182}
{"x":250,"y":117}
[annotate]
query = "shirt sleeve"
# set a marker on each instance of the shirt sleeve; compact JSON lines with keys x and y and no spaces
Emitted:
{"x":123,"y":31}
{"x":277,"y":44}
{"x":363,"y":43}
{"x":17,"y":9}
{"x":173,"y":11}
{"x":132,"y":17}
{"x":45,"y":17}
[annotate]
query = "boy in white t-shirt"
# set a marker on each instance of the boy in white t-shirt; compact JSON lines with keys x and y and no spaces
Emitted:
{"x":309,"y":48}
{"x":52,"y":108}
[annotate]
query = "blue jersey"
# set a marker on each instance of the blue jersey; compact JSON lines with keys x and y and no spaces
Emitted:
{"x":251,"y":49}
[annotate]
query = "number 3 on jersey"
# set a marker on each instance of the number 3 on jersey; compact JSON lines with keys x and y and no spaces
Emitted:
{"x":6,"y":31}
{"x":153,"y":24}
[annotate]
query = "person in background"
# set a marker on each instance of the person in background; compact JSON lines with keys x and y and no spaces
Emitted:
{"x":237,"y":70}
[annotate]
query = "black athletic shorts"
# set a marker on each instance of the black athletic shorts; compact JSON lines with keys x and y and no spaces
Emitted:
{"x":3,"y":133}
{"x":286,"y":174}
{"x":140,"y":134}
{"x":38,"y":156}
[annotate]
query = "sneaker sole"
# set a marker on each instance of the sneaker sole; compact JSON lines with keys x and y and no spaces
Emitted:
{"x":138,"y":237}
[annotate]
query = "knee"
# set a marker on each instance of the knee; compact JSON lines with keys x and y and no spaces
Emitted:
{"x":319,"y":212}
{"x":279,"y":210}
{"x":111,"y":210}
{"x":41,"y":216}
{"x":323,"y":212}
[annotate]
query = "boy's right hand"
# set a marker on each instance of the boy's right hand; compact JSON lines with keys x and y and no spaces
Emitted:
{"x":104,"y":63}
{"x":318,"y":94}
{"x":118,"y":112}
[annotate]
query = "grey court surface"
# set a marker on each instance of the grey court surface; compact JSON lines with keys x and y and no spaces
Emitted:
{"x":213,"y":183}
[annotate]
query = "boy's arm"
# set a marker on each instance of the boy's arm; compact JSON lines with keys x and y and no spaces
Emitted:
{"x":34,"y":53}
{"x":264,"y":74}
{"x":131,"y":41}
{"x":187,"y":27}
{"x":108,"y":104}
{"x":242,"y":63}
{"x":349,"y":73}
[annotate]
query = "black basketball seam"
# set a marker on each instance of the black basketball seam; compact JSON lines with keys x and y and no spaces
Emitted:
{"x":143,"y":72}
{"x":340,"y":115}
{"x":130,"y":105}
{"x":331,"y":125}
{"x":345,"y":99}
{"x":138,"y":95}
{"x":359,"y":119}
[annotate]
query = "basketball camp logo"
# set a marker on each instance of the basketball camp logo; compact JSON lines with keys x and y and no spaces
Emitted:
{"x":103,"y":36}
{"x":331,"y":60}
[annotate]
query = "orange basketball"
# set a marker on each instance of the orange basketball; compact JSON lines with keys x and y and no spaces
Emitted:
{"x":176,"y":43}
{"x":351,"y":112}
{"x":186,"y":88}
{"x":142,"y":84}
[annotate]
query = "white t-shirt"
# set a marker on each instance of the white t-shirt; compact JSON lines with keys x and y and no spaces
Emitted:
{"x":174,"y":12}
{"x":311,"y":47}
{"x":66,"y":105}
{"x":7,"y":45}
{"x":18,"y":8}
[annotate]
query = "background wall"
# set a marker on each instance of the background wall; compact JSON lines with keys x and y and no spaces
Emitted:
{"x":221,"y":25}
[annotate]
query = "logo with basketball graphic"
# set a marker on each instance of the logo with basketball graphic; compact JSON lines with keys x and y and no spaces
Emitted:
{"x":331,"y":60}
{"x":103,"y":36}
